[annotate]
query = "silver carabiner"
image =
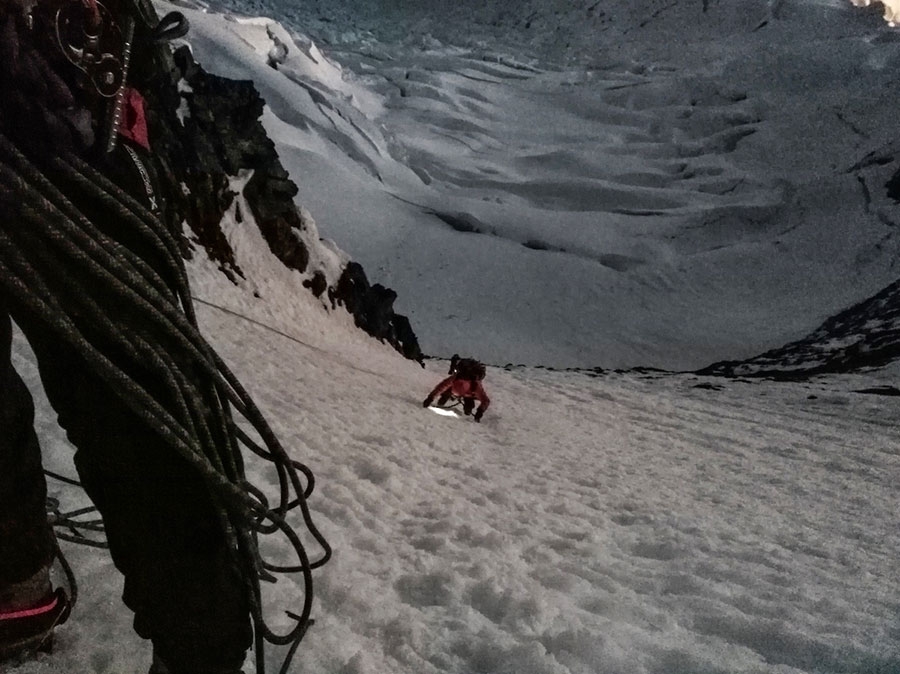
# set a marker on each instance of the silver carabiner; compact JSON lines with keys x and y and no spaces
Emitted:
{"x":97,"y":51}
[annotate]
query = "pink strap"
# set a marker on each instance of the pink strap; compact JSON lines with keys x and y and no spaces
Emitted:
{"x":134,"y":120}
{"x":29,"y":612}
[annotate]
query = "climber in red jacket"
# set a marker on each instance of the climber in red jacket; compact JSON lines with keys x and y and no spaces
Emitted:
{"x":464,"y":382}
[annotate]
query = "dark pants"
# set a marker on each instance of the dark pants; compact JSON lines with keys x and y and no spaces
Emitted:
{"x":163,"y":528}
{"x":25,"y":539}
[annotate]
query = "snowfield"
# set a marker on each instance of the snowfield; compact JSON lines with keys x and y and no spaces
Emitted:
{"x":608,"y":522}
{"x":616,"y":523}
{"x":688,"y":186}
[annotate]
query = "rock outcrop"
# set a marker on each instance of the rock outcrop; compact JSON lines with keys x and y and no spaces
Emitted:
{"x":208,"y":130}
{"x":864,"y":335}
{"x":373,"y":312}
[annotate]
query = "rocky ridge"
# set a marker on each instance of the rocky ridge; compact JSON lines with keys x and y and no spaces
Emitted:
{"x":208,"y":130}
{"x":866,"y":335}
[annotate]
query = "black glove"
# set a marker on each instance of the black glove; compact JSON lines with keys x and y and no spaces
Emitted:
{"x":478,"y":416}
{"x":427,"y":402}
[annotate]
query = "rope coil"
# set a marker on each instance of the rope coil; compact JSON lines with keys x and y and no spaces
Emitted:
{"x":54,"y":255}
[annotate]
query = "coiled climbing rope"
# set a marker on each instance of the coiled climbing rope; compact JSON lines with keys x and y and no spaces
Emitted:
{"x":53,"y":258}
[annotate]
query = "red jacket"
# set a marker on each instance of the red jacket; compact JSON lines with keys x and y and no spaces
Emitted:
{"x":463,"y":388}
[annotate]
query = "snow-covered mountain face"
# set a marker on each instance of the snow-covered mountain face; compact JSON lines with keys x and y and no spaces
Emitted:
{"x":590,"y":183}
{"x":555,"y":30}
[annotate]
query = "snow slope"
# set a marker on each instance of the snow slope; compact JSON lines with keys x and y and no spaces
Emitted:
{"x":628,"y":522}
{"x":680,"y":186}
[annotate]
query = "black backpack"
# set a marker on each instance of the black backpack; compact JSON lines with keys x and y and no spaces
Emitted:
{"x":469,"y":368}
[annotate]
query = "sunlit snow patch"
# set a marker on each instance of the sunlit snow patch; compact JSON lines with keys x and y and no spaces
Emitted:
{"x":891,"y":9}
{"x":443,"y":412}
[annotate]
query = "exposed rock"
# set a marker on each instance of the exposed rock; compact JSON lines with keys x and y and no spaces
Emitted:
{"x":271,"y":199}
{"x":207,"y":130}
{"x":893,"y":187}
{"x":317,"y":285}
{"x":372,"y":309}
{"x":226,"y":136}
{"x":865,"y":335}
{"x":192,"y":157}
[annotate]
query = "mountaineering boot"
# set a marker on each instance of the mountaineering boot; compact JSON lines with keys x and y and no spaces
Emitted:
{"x":29,"y":610}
